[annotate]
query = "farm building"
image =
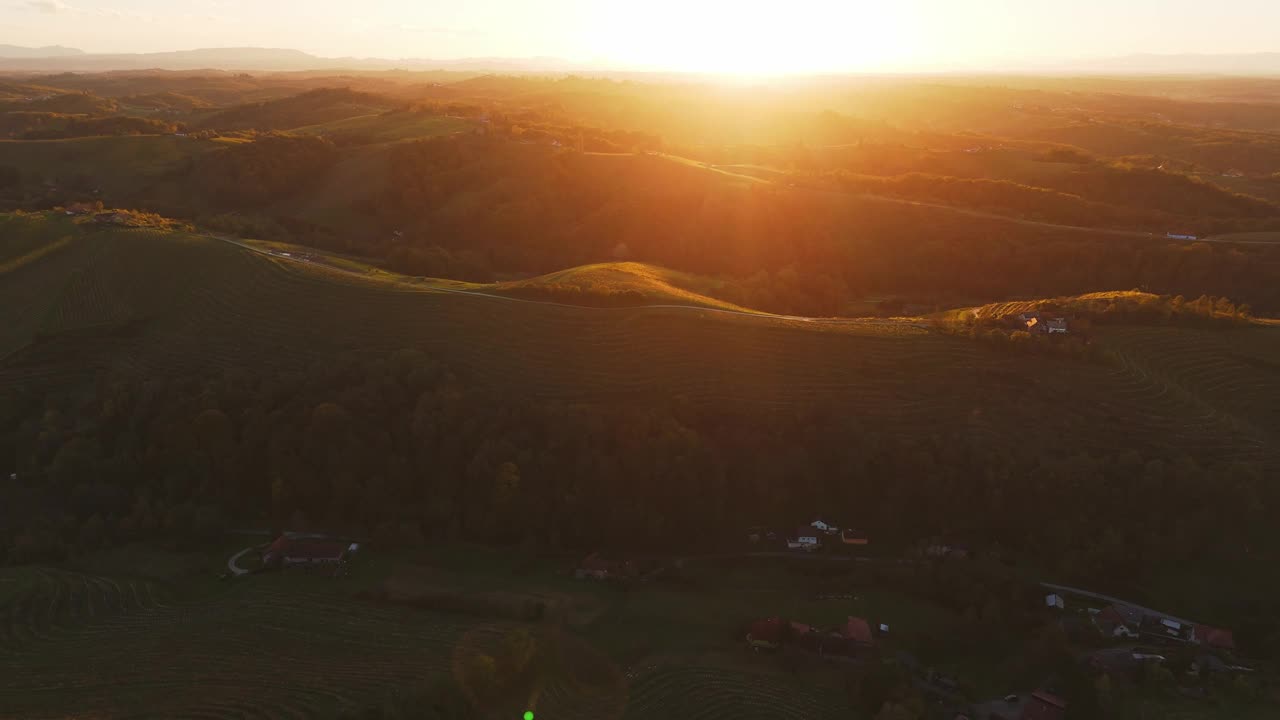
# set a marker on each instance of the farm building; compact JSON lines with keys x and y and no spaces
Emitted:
{"x":805,"y":539}
{"x":287,"y":551}
{"x":1214,"y":637}
{"x":856,"y":630}
{"x":853,"y":537}
{"x":824,"y":526}
{"x":766,"y":634}
{"x":1163,"y":628}
{"x":1036,"y":324}
{"x":1118,"y":621}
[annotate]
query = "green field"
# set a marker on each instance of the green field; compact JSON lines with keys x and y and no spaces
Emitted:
{"x":623,"y":282}
{"x":389,"y":127}
{"x":300,"y":645}
{"x":102,"y":647}
{"x":200,"y":305}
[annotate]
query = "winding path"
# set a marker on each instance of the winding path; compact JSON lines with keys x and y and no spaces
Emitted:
{"x":757,"y":315}
{"x":233,"y":567}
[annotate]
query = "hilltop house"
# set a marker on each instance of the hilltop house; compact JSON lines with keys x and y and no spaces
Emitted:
{"x":288,"y":552}
{"x":1036,"y":324}
{"x":824,"y":526}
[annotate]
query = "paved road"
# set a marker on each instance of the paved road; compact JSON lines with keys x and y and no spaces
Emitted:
{"x":1108,"y":598}
{"x":233,"y":567}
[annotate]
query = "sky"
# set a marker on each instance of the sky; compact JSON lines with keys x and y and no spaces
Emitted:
{"x":747,"y":36}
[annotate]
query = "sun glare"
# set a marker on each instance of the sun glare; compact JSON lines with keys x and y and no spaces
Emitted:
{"x":753,"y":38}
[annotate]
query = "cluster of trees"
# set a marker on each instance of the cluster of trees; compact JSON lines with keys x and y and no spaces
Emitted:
{"x":402,"y":447}
{"x":1101,"y":196}
{"x":1001,"y":196}
{"x":435,"y":261}
{"x":791,"y":290}
{"x":58,"y":127}
{"x":313,"y":107}
{"x":1144,"y":309}
{"x":269,"y":169}
{"x":1008,"y":331}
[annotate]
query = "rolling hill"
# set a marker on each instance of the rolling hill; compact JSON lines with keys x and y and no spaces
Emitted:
{"x":310,"y":108}
{"x":141,"y":302}
{"x":391,"y":126}
{"x":614,"y":284}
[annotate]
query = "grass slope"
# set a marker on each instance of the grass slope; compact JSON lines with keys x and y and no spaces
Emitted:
{"x":389,"y":126}
{"x":315,"y":106}
{"x":90,"y":646}
{"x":622,"y":283}
{"x":198,"y":305}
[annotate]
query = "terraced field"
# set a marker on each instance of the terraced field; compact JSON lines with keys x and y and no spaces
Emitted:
{"x":1234,"y":374}
{"x":94,"y":647}
{"x":86,"y":302}
{"x":279,"y":646}
{"x":207,"y":305}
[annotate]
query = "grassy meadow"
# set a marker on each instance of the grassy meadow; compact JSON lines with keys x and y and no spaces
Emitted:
{"x":171,"y":302}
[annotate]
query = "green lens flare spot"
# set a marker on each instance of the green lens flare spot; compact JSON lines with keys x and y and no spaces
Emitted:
{"x":528,"y":715}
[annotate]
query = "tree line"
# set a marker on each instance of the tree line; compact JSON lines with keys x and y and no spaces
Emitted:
{"x":407,"y":450}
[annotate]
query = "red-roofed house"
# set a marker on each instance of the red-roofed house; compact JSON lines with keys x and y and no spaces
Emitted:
{"x":1044,"y":706}
{"x":1215,"y":637}
{"x":766,"y":633}
{"x":857,"y":630}
{"x":286,"y":551}
{"x":853,"y":537}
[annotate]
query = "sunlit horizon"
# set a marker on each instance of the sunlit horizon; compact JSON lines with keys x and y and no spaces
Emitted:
{"x":745,"y":38}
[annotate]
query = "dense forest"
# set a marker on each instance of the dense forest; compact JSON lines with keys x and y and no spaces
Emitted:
{"x":407,"y":451}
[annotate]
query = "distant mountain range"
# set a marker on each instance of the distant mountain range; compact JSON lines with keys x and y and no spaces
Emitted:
{"x":249,"y":58}
{"x":64,"y":59}
{"x":51,"y":51}
{"x":1265,"y":63}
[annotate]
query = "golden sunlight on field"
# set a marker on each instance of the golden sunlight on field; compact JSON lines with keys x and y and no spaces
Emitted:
{"x":754,"y":38}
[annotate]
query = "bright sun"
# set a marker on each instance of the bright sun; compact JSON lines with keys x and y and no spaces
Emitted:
{"x":748,"y":37}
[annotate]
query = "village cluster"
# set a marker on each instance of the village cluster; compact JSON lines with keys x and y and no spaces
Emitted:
{"x":1127,"y":640}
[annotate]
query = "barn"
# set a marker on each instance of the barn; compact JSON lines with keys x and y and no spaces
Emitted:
{"x":287,"y":551}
